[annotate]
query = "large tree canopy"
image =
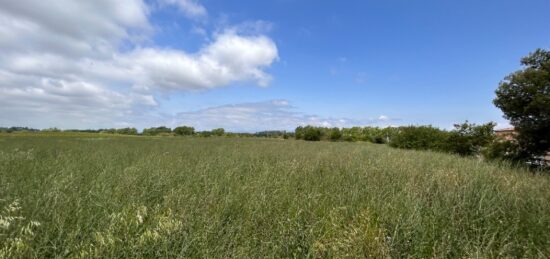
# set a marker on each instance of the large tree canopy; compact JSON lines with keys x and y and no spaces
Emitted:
{"x":524,"y":98}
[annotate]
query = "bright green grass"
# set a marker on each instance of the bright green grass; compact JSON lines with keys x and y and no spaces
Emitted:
{"x":86,"y":196}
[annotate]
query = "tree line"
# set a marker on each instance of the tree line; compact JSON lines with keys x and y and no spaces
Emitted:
{"x":465,"y":139}
{"x":159,"y":131}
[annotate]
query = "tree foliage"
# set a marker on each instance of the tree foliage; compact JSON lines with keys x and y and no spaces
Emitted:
{"x":468,"y":139}
{"x":184,"y":131}
{"x":162,"y":130}
{"x":419,"y":137}
{"x":127,"y":131}
{"x":218,"y":132}
{"x":524,"y":98}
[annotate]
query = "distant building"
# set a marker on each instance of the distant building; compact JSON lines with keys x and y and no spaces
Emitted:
{"x":506,"y":133}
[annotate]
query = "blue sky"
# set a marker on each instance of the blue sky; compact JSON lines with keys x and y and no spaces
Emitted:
{"x":331,"y":63}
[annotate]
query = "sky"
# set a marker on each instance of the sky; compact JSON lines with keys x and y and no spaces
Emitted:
{"x":253,"y":65}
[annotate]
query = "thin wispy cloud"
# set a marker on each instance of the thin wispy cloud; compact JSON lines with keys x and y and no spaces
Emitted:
{"x":266,"y":115}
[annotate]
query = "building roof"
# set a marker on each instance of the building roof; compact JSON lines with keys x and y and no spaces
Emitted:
{"x":505,"y":129}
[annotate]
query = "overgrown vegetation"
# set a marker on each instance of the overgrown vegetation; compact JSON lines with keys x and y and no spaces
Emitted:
{"x":524,"y":97}
{"x":109,"y":196}
{"x":465,"y":139}
{"x":369,"y":134}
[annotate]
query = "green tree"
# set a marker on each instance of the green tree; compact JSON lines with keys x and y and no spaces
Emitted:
{"x":162,"y":130}
{"x":218,"y":132}
{"x":335,"y":134}
{"x":312,"y":133}
{"x":184,"y":131}
{"x":524,"y":98}
{"x":127,"y":131}
{"x":468,"y":139}
{"x":299,"y":132}
{"x":419,"y":137}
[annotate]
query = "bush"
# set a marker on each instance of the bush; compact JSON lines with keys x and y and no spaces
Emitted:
{"x":468,"y":139}
{"x":419,"y":137}
{"x":127,"y":131}
{"x":335,"y":134}
{"x":299,"y":133}
{"x":205,"y":134}
{"x":184,"y":131}
{"x":218,"y":132}
{"x":309,"y":133}
{"x":502,"y":150}
{"x":157,"y":131}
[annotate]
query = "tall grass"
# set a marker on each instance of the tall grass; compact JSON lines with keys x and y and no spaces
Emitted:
{"x":218,"y":197}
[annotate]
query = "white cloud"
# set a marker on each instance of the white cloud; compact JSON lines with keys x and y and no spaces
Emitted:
{"x":228,"y":59}
{"x":70,"y":28}
{"x":69,"y":104}
{"x":258,"y":116}
{"x":383,"y":118}
{"x":80,"y":64}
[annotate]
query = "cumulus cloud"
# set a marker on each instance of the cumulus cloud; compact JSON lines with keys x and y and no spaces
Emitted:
{"x":69,"y":104}
{"x":228,"y":59}
{"x":68,"y":60}
{"x":266,"y":115}
{"x":70,"y":28}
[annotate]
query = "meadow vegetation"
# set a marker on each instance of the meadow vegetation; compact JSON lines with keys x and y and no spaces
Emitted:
{"x":98,"y":196}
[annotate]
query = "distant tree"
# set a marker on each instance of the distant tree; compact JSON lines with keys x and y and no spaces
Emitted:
{"x":218,"y":132}
{"x":312,"y":133}
{"x":18,"y":129}
{"x":205,"y":134}
{"x":127,"y":131}
{"x":335,"y":134}
{"x":270,"y":134}
{"x":524,"y":98}
{"x":108,"y":131}
{"x":184,"y":131}
{"x":374,"y":135}
{"x":468,"y":139}
{"x":162,"y":130}
{"x":51,"y":130}
{"x":299,"y":133}
{"x":419,"y":137}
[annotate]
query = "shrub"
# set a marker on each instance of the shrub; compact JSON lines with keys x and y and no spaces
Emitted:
{"x":184,"y":131}
{"x":299,"y":133}
{"x":419,"y":137}
{"x":218,"y":132}
{"x":205,"y":134}
{"x":127,"y":131}
{"x":468,"y":139}
{"x":502,"y":150}
{"x":312,"y":133}
{"x":335,"y":134}
{"x":157,"y":131}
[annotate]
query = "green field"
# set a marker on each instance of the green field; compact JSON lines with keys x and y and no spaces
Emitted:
{"x":96,"y":196}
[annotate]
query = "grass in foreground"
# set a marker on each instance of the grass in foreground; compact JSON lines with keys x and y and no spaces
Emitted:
{"x":188,"y":197}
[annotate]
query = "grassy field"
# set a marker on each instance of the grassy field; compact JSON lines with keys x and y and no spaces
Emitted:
{"x":87,"y":196}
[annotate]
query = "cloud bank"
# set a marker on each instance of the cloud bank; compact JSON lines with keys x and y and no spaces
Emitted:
{"x":92,"y":63}
{"x":266,"y":115}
